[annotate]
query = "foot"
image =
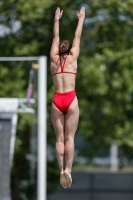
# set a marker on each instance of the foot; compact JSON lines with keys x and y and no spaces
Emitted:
{"x":68,"y":178}
{"x":63,"y":180}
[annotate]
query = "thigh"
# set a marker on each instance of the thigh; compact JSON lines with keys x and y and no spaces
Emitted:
{"x":71,"y":120}
{"x":58,"y":122}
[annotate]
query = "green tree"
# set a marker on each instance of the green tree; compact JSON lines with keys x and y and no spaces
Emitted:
{"x":106,"y":75}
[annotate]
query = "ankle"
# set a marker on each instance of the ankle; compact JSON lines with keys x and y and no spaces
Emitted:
{"x":61,"y":171}
{"x":68,"y":170}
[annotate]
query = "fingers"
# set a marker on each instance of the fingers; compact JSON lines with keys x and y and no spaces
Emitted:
{"x":58,"y":12}
{"x":68,"y":178}
{"x":61,"y":12}
{"x":78,"y":13}
{"x":81,"y":13}
{"x":58,"y":9}
{"x":83,"y":8}
{"x":63,"y":181}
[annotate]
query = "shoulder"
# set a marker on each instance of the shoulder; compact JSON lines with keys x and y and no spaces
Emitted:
{"x":71,"y":57}
{"x":54,"y":58}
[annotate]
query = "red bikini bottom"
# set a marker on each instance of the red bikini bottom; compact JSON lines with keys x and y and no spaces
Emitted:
{"x":63,"y":100}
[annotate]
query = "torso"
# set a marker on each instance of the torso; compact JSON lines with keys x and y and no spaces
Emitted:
{"x":64,"y":82}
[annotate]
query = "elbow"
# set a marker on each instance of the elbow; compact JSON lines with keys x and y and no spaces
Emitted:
{"x":55,"y":36}
{"x":77,"y":35}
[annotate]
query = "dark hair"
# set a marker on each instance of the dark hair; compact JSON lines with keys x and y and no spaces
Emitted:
{"x":64,"y":47}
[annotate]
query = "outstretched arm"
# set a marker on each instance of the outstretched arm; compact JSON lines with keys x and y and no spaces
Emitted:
{"x":78,"y":32}
{"x":55,"y":44}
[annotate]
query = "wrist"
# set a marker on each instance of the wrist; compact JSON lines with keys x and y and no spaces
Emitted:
{"x":56,"y":20}
{"x":81,"y":19}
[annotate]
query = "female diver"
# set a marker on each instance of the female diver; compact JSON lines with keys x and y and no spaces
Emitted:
{"x":65,"y":110}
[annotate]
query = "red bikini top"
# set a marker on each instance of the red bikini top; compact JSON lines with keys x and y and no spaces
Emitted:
{"x":62,"y":68}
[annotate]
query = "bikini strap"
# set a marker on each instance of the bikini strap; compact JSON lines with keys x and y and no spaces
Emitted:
{"x":62,"y":65}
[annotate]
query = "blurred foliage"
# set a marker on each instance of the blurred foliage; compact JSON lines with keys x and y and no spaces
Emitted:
{"x":104,"y":79}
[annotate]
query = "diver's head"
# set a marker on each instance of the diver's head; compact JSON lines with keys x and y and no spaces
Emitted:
{"x":65,"y":47}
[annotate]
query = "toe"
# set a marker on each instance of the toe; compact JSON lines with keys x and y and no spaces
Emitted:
{"x":63,"y":181}
{"x":68,"y":178}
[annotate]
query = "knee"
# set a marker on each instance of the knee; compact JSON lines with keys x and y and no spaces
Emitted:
{"x":69,"y":139}
{"x":60,"y":139}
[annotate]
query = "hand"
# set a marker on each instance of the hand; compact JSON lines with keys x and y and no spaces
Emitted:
{"x":81,"y":13}
{"x":58,"y":14}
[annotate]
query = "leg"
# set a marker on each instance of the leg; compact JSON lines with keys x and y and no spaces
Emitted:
{"x":58,"y":123}
{"x":71,"y":123}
